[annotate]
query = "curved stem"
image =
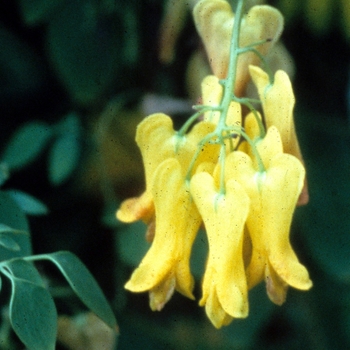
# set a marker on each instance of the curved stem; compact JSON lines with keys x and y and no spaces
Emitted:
{"x":229,"y":82}
{"x":261,"y":166}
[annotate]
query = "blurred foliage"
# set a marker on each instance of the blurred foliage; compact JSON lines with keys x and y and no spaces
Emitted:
{"x":74,"y":79}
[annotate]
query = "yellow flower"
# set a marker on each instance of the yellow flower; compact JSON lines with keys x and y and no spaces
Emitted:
{"x":212,"y":92}
{"x":273,"y":195}
{"x":214,"y":21}
{"x":177,"y":222}
{"x":158,"y":141}
{"x":224,"y":283}
{"x":167,"y":156}
{"x":278,"y":103}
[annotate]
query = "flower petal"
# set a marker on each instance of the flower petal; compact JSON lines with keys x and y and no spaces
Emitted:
{"x":273,"y":198}
{"x":278,"y":103}
{"x":154,"y":137}
{"x":137,"y":208}
{"x":214,"y":22}
{"x":224,"y":217}
{"x":177,"y":222}
{"x":162,"y":293}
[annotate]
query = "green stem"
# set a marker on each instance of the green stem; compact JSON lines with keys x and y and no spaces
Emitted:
{"x":248,"y":103}
{"x":229,"y":82}
{"x":261,"y":166}
{"x":191,"y":120}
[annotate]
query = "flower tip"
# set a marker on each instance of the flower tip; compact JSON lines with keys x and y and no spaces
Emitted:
{"x":140,"y":281}
{"x":129,"y":286}
{"x":137,"y":208}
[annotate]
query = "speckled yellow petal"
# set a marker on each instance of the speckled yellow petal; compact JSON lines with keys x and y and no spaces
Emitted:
{"x":212,"y":92}
{"x":251,"y":126}
{"x":211,"y":96}
{"x":154,"y":136}
{"x":138,"y":208}
{"x":273,"y":196}
{"x":279,"y":195}
{"x":214,"y":21}
{"x":214,"y":310}
{"x":278,"y":104}
{"x":224,"y":217}
{"x":268,"y":147}
{"x":188,"y":146}
{"x":158,"y":141}
{"x":177,"y":222}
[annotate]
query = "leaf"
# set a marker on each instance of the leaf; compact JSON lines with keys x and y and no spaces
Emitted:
{"x":24,"y":270}
{"x":8,"y":243}
{"x":70,"y":123}
{"x":4,"y":173}
{"x":85,"y":48}
{"x":29,"y":204}
{"x":63,"y":158}
{"x":13,"y":218}
{"x":8,"y":229}
{"x":6,"y":240}
{"x":84,"y":285}
{"x":37,"y":11}
{"x":26,"y":144}
{"x":33,"y":315}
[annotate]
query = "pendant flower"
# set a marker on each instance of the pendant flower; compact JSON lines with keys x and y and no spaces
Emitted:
{"x":273,"y":195}
{"x":167,"y":202}
{"x":245,"y":191}
{"x":278,"y":102}
{"x":177,"y":223}
{"x":158,"y":141}
{"x":214,"y":22}
{"x":224,"y":284}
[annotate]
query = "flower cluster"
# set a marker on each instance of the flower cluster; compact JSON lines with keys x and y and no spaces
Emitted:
{"x":239,"y":174}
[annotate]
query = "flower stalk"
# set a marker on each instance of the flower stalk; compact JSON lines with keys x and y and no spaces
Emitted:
{"x":226,"y":171}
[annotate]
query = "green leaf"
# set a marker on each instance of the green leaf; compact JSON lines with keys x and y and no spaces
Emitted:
{"x":24,"y":270}
{"x":33,"y":315}
{"x":4,"y":173}
{"x":8,"y":229}
{"x":63,"y":159}
{"x":8,"y":243}
{"x":11,"y":216}
{"x":70,"y":123}
{"x":29,"y":204}
{"x":26,"y":144}
{"x":84,"y":285}
{"x":36,"y":11}
{"x":85,"y":48}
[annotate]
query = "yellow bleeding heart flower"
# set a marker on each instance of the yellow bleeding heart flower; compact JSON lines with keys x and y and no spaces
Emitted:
{"x":278,"y":104}
{"x":224,"y":284}
{"x":273,"y":195}
{"x":158,"y":141}
{"x":177,"y":223}
{"x":214,"y":21}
